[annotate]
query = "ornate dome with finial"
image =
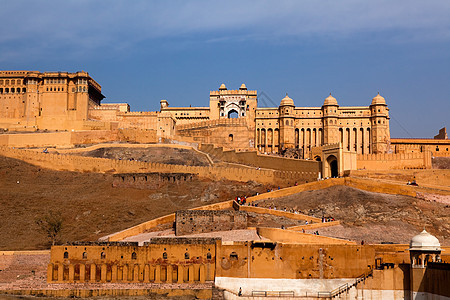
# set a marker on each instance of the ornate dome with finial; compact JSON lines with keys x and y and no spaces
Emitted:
{"x":222,"y":87}
{"x":378,"y":100}
{"x":287,"y":101}
{"x":425,"y":242}
{"x":330,"y":100}
{"x":243,"y":87}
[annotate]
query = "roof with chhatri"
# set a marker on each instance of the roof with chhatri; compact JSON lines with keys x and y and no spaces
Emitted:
{"x":330,"y":100}
{"x":222,"y":87}
{"x":378,"y":100}
{"x":287,"y":101}
{"x":425,"y":242}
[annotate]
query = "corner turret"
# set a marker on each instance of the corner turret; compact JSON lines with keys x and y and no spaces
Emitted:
{"x":380,"y":124}
{"x":330,"y":110}
{"x":287,"y":133}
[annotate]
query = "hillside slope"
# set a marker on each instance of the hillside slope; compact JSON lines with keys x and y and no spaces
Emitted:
{"x":372,"y":217}
{"x":88,"y":203}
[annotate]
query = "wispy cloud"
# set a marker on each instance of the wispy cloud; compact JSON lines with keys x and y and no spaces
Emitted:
{"x":83,"y":26}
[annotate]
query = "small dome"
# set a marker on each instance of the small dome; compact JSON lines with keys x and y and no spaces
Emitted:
{"x":287,"y":101}
{"x":378,"y":100}
{"x":425,"y":241}
{"x":330,"y":100}
{"x":222,"y":87}
{"x":243,"y":87}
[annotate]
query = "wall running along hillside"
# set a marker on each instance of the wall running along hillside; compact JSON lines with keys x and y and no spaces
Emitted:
{"x":103,"y":165}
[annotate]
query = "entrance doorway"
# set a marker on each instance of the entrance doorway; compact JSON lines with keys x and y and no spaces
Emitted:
{"x":232,"y":114}
{"x":332,"y":166}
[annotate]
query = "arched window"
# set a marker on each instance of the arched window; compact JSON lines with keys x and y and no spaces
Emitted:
{"x":133,"y":255}
{"x":233,"y":256}
{"x":103,"y":255}
{"x":165,"y":255}
{"x":84,"y":255}
{"x":230,"y":137}
{"x":208,"y":255}
{"x":186,"y":255}
{"x":66,"y":254}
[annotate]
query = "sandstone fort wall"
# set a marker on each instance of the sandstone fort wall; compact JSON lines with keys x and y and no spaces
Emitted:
{"x":71,"y":138}
{"x":437,"y":178}
{"x":198,"y":221}
{"x":252,"y":158}
{"x":103,"y":165}
{"x":394,"y":161}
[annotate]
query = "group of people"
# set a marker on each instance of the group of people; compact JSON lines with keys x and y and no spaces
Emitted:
{"x":324,"y":220}
{"x":241,"y":200}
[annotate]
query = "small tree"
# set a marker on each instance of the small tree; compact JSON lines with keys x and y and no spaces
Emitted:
{"x":51,"y":224}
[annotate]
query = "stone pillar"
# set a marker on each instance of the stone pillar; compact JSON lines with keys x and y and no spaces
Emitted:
{"x":157,"y":274}
{"x":202,"y":273}
{"x":146,"y":273}
{"x":196,"y":271}
{"x":93,"y":272}
{"x":103,"y":273}
{"x":180,"y":274}
{"x":49,"y":272}
{"x":125,"y":273}
{"x":169,"y":274}
{"x":60,"y":272}
{"x":71,"y":273}
{"x":136,"y":273}
{"x":114,"y":273}
{"x":191,"y":274}
{"x":82,"y":272}
{"x":152,"y":273}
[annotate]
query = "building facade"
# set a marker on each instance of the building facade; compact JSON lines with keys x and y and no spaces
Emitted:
{"x":31,"y":100}
{"x":360,"y":129}
{"x":35,"y":101}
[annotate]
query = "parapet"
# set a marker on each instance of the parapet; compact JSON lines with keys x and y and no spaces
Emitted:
{"x":99,"y":243}
{"x":182,"y":240}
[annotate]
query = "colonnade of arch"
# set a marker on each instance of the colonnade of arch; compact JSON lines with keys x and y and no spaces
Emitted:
{"x":268,"y":140}
{"x":356,"y":139}
{"x":169,"y":273}
{"x":352,"y":139}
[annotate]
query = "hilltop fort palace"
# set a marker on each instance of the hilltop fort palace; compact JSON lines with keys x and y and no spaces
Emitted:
{"x":61,"y":101}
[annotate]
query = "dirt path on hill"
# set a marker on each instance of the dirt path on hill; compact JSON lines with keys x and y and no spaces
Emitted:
{"x":372,"y":217}
{"x":89,"y":205}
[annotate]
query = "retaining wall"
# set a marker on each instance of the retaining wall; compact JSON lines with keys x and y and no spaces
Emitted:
{"x":103,"y":165}
{"x":394,"y":161}
{"x":252,"y":158}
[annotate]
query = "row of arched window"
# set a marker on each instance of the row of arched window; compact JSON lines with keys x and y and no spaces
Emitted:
{"x":11,"y":81}
{"x":133,"y":255}
{"x":54,"y":89}
{"x":12,"y":90}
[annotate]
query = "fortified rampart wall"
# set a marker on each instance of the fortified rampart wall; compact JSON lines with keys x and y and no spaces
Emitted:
{"x":103,"y":165}
{"x":230,"y":133}
{"x":252,"y":158}
{"x":438,"y":178}
{"x":199,"y":221}
{"x":71,"y":138}
{"x":394,"y":161}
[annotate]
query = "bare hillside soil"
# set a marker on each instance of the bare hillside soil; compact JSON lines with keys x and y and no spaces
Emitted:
{"x":440,"y":162}
{"x":88,"y":203}
{"x":165,"y":155}
{"x":372,"y":217}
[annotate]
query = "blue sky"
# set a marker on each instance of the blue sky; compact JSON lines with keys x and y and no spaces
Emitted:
{"x":145,"y":51}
